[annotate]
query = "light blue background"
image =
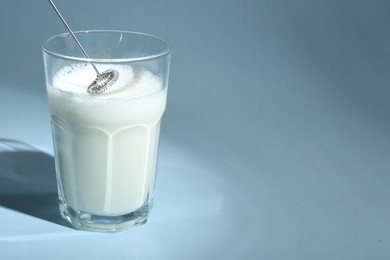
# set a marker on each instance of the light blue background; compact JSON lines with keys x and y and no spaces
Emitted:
{"x":275,"y":143}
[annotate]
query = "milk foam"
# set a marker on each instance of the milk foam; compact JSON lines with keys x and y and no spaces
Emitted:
{"x":132,"y":82}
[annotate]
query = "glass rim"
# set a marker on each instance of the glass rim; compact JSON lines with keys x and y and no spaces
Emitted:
{"x":166,"y":51}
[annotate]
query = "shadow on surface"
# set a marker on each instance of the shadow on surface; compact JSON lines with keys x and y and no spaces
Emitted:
{"x":28,"y":181}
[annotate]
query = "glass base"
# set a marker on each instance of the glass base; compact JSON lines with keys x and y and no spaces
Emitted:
{"x":90,"y":222}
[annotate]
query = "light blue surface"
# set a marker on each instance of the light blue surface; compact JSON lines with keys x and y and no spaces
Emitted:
{"x":275,"y":143}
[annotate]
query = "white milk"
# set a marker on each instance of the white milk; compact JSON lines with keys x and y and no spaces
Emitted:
{"x":106,"y":145}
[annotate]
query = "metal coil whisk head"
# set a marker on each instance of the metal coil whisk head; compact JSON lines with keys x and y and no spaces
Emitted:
{"x":103,"y":81}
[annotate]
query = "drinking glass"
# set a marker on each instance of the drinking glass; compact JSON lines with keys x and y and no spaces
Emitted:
{"x":106,"y":145}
